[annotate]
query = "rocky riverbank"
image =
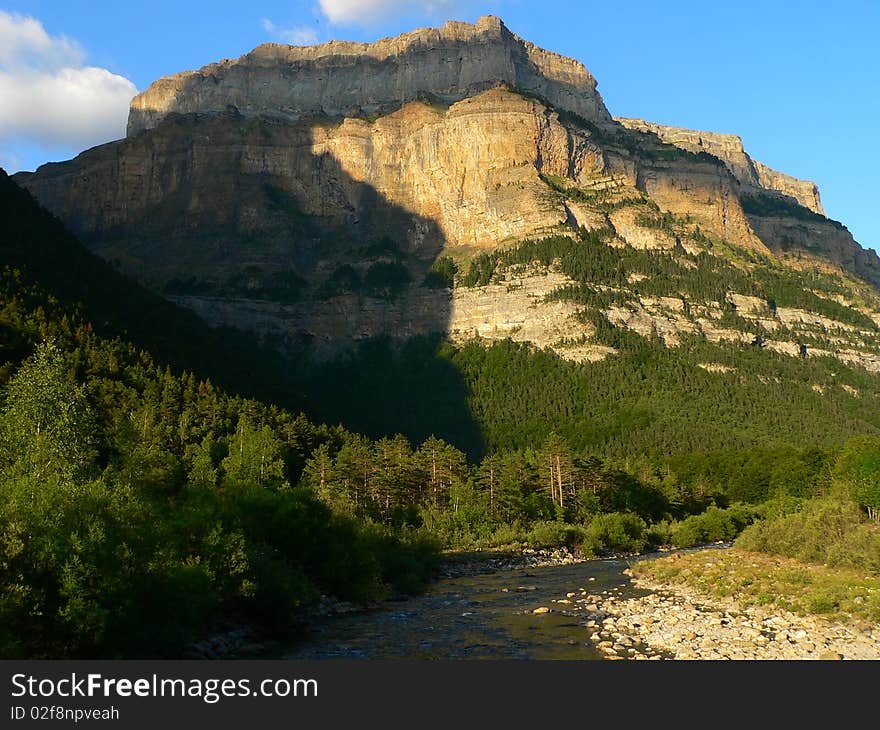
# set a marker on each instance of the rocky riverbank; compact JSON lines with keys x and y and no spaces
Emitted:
{"x":675,"y":621}
{"x":456,"y":565}
{"x":243,"y":642}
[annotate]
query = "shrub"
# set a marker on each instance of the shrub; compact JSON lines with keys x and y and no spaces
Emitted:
{"x":660,"y":533}
{"x":830,"y":531}
{"x":441,"y":275}
{"x":555,"y":534}
{"x":503,"y":535}
{"x":617,"y":531}
{"x":713,"y":525}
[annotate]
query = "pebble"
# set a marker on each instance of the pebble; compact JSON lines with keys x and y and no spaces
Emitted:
{"x":677,"y":622}
{"x":526,"y":558}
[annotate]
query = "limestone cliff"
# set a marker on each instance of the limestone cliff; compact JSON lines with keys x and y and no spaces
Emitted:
{"x":343,"y":79}
{"x":424,"y":175}
{"x":306,"y":193}
{"x":729,"y":148}
{"x":216,"y":194}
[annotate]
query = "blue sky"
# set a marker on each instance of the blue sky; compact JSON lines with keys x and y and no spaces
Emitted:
{"x":798,"y":81}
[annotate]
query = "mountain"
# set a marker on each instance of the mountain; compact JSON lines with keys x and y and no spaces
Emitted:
{"x":37,"y":250}
{"x":455,"y":189}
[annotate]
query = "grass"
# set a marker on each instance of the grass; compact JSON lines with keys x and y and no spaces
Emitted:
{"x":757,"y":579}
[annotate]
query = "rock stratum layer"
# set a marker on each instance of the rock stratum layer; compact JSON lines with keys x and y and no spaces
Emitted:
{"x":344,"y":79}
{"x":305,"y":194}
{"x":729,"y":148}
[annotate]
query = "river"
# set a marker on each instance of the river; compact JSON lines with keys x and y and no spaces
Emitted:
{"x":486,"y":616}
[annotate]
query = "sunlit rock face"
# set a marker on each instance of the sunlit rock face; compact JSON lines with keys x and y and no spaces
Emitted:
{"x":355,"y":79}
{"x":729,"y":148}
{"x":304,"y":194}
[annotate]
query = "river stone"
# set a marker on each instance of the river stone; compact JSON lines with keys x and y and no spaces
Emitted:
{"x":541,"y":610}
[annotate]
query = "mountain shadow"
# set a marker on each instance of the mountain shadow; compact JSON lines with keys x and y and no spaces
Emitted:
{"x":36,"y":245}
{"x":255,"y":225}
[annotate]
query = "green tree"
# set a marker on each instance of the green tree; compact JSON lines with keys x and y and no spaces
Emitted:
{"x":202,"y":471}
{"x":858,"y":470}
{"x":353,"y":471}
{"x":556,"y":463}
{"x":46,"y":423}
{"x":441,"y":274}
{"x":254,"y":457}
{"x":441,"y":466}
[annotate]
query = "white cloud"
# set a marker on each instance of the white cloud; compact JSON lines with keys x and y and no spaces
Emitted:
{"x":48,"y":97}
{"x":72,"y":107}
{"x":24,"y":42}
{"x":359,"y":12}
{"x":299,"y":35}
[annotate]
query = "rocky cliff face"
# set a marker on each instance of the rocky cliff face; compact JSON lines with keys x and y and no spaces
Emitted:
{"x":729,"y":148}
{"x":427,"y":176}
{"x":214,"y":195}
{"x":342,"y":79}
{"x":305,"y":194}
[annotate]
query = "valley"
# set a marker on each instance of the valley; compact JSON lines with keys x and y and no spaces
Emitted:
{"x":328,"y":313}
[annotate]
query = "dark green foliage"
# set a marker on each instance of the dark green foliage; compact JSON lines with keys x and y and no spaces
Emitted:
{"x":386,"y":279}
{"x":649,"y":400}
{"x":381,"y":246}
{"x":139,"y":507}
{"x":713,"y":525}
{"x":284,"y":287}
{"x":617,"y":531}
{"x":344,"y":280}
{"x":281,"y":201}
{"x":767,"y":204}
{"x":857,"y":471}
{"x":442,"y":273}
{"x":555,"y":534}
{"x":382,"y":389}
{"x":38,"y":247}
{"x":654,"y":400}
{"x":754,"y":475}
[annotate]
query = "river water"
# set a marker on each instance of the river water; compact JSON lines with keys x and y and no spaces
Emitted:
{"x":476,"y":617}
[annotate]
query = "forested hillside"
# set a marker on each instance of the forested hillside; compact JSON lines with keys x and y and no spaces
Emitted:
{"x":657,"y":393}
{"x":140,"y":504}
{"x":37,"y":244}
{"x":133,"y":486}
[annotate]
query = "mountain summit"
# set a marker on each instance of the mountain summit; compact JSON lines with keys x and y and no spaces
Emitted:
{"x":344,"y":79}
{"x":323,"y":196}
